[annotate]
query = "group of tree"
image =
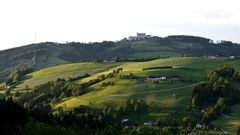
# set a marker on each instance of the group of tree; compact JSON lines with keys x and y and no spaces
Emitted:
{"x":105,"y":84}
{"x":128,"y":76}
{"x":17,"y":75}
{"x":43,"y":95}
{"x":99,"y":78}
{"x":131,"y":106}
{"x":114,"y":114}
{"x":218,"y":94}
{"x":17,"y":120}
{"x":136,"y":106}
{"x":186,"y":55}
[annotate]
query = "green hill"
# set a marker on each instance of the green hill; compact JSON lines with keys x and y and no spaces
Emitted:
{"x":42,"y":55}
{"x":64,"y":71}
{"x":193,"y":70}
{"x":140,"y":59}
{"x":165,"y":99}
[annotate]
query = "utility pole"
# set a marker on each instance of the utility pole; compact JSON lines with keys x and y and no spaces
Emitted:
{"x":35,"y":38}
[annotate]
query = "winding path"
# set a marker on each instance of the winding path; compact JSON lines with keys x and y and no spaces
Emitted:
{"x":228,"y":116}
{"x":163,"y":90}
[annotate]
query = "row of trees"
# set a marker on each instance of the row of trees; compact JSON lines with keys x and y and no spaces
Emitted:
{"x":43,"y":95}
{"x":105,"y":84}
{"x":40,"y":128}
{"x":79,"y":89}
{"x":110,"y":113}
{"x":17,"y":120}
{"x":128,"y":76}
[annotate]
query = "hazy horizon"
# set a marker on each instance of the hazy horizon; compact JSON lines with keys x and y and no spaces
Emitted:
{"x":27,"y":21}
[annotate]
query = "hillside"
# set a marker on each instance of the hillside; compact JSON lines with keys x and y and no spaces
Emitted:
{"x":164,"y":98}
{"x":64,"y":71}
{"x":42,"y":55}
{"x":193,"y":70}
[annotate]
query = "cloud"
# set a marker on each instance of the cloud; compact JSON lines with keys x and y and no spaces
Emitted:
{"x":217,"y":14}
{"x":97,"y":20}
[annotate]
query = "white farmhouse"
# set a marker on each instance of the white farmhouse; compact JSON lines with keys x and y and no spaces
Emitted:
{"x":139,"y":36}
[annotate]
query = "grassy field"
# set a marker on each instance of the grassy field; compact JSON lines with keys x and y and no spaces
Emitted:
{"x":2,"y":84}
{"x":167,"y":95}
{"x":63,"y":71}
{"x":230,"y":122}
{"x":168,"y":99}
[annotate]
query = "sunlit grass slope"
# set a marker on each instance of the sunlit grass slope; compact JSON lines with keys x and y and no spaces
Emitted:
{"x":64,"y":71}
{"x":163,"y":98}
{"x":166,"y":95}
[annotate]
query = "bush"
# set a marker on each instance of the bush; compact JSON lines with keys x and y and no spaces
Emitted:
{"x":8,"y":92}
{"x":39,"y":128}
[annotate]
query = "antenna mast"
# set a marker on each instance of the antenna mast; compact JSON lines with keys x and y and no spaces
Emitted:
{"x":35,"y":38}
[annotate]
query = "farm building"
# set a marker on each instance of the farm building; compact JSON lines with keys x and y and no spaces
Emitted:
{"x":198,"y":125}
{"x":150,"y":124}
{"x":163,"y":78}
{"x":126,"y":123}
{"x":174,"y":77}
{"x":156,"y":78}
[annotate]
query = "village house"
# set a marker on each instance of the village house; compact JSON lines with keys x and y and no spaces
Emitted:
{"x":204,"y":110}
{"x":10,"y":86}
{"x":216,"y":58}
{"x":163,"y":78}
{"x":126,"y":123}
{"x":191,"y":133}
{"x":108,"y":61}
{"x":174,"y":77}
{"x":198,"y":126}
{"x":141,"y":35}
{"x":150,"y":124}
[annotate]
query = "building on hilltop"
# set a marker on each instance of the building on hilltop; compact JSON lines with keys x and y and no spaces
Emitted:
{"x":148,"y":36}
{"x":139,"y":36}
{"x":132,"y":38}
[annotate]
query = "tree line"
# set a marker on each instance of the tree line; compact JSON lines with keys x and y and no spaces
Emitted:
{"x":17,"y":120}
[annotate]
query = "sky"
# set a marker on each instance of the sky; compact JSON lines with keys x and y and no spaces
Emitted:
{"x":31,"y":21}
